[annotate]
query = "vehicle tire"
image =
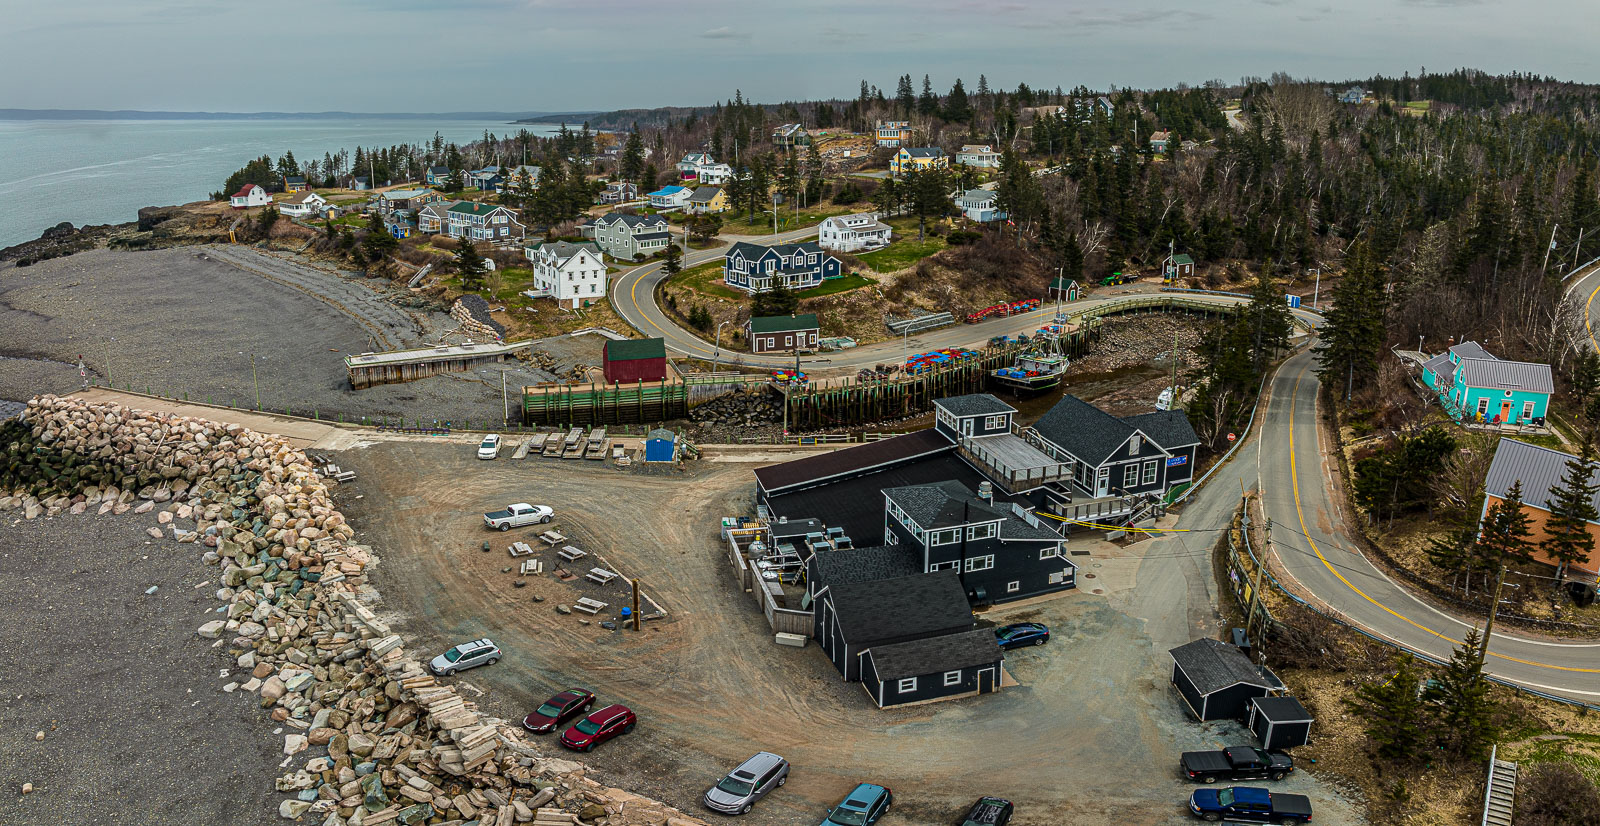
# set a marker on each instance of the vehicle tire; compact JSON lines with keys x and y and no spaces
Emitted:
{"x":627,"y":729}
{"x":505,"y":526}
{"x":782,"y":780}
{"x":449,"y":672}
{"x":1039,"y":641}
{"x":1210,"y":778}
{"x":588,"y":747}
{"x":746,"y":809}
{"x":491,"y":661}
{"x":1211,"y":817}
{"x":1277,"y":775}
{"x":543,"y":519}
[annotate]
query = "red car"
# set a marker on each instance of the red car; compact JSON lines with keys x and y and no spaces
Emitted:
{"x":599,"y":727}
{"x":558,"y":710}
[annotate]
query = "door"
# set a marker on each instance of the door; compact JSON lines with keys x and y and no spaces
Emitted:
{"x":1102,"y":482}
{"x":986,"y":680}
{"x":1505,"y":411}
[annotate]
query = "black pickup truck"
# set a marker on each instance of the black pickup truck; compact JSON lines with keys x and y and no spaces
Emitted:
{"x":1235,"y":763}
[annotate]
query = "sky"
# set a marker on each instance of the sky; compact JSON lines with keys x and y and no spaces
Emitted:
{"x":598,"y":55}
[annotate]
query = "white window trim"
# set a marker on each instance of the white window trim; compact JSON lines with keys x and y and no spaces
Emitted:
{"x":906,"y":685}
{"x":986,"y":531}
{"x":1048,"y":552}
{"x":1130,"y":475}
{"x":1013,"y":587}
{"x":952,"y":678}
{"x":980,"y":563}
{"x":1150,"y":472}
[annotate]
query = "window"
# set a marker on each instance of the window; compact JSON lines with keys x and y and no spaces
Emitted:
{"x":1130,"y":475}
{"x":952,"y":678}
{"x":1483,"y":406}
{"x":1049,"y":552}
{"x":983,"y":531}
{"x":940,"y":566}
{"x":980,"y":563}
{"x":1150,"y":472}
{"x":908,"y":684}
{"x":994,"y":422}
{"x":949,"y":536}
{"x":788,"y":341}
{"x":1013,"y":587}
{"x":1133,"y":445}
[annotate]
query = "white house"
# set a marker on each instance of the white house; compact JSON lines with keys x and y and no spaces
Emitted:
{"x":692,"y":162}
{"x":978,"y":156}
{"x":250,"y":196}
{"x":714,"y":174}
{"x":980,"y":205}
{"x":850,"y":233}
{"x":671,"y":197}
{"x":303,"y":204}
{"x":568,"y":272}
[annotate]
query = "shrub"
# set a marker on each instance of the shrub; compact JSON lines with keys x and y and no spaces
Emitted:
{"x":1556,"y":794}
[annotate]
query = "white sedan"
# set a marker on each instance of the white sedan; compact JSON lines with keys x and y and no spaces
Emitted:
{"x":489,"y":448}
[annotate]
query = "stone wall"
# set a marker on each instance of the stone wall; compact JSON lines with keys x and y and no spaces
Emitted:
{"x":381,"y":741}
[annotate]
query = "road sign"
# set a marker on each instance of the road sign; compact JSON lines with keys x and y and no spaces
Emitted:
{"x":1231,"y":437}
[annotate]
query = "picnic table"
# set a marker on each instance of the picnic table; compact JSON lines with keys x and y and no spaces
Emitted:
{"x":571,"y":554}
{"x":600,"y":575}
{"x":589,"y":606}
{"x":531,"y":566}
{"x":552,"y":538}
{"x":520,"y":549}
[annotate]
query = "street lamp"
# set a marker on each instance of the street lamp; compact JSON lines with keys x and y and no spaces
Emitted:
{"x":1317,"y":291}
{"x":717,"y":352}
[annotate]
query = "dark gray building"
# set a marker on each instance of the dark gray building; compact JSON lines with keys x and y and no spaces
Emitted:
{"x":1149,"y":453}
{"x":932,"y":669}
{"x":1217,"y":681}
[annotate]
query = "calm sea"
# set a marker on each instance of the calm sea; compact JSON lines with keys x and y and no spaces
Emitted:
{"x":102,"y":172}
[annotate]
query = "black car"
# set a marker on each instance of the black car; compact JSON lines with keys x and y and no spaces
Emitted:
{"x":1022,"y":633}
{"x":988,"y":811}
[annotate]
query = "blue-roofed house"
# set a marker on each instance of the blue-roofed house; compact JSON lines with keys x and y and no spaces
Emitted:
{"x":1473,"y":385}
{"x":670,"y":197}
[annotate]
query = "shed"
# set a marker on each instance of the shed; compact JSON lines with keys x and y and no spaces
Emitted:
{"x":1066,"y":288}
{"x":660,"y":445}
{"x":1217,"y":680}
{"x":635,"y":359}
{"x":1280,"y":722}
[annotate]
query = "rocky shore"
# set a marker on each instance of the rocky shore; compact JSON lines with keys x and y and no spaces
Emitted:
{"x":373,"y":739}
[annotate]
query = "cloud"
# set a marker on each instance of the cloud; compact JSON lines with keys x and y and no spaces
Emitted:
{"x":1129,"y":19}
{"x":724,"y":33}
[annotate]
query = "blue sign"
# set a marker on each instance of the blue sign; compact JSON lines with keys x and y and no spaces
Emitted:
{"x":1294,"y":301}
{"x":1177,"y":460}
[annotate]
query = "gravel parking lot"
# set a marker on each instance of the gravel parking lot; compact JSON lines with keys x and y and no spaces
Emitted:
{"x":1093,"y":729}
{"x":136,"y":727}
{"x":187,"y":321}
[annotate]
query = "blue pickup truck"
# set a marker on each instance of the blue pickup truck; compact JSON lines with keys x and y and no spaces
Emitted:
{"x":1247,"y":804}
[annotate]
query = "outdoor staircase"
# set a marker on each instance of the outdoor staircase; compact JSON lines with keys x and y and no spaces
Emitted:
{"x":1502,"y":792}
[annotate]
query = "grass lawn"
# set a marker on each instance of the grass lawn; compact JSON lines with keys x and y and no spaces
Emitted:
{"x":836,"y":285}
{"x":1419,"y":105}
{"x":761,"y":222}
{"x":902,"y":254}
{"x":703,"y":280}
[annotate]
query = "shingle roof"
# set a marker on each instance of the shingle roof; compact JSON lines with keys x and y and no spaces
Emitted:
{"x":630,"y":221}
{"x":439,"y":208}
{"x":244,"y":191}
{"x":974,"y":404}
{"x":1212,"y":665}
{"x":1500,"y":374}
{"x":438,"y":170}
{"x":704,"y":194}
{"x":301,"y":197}
{"x":1538,"y":468}
{"x":924,"y":151}
{"x":783,"y":323}
{"x":632,"y":349}
{"x":1085,"y":431}
{"x":562,"y":250}
{"x":1168,"y":428}
{"x":754,"y":252}
{"x":904,"y":607}
{"x":1014,"y":528}
{"x":865,"y":565}
{"x":942,"y":505}
{"x":1282,"y":709}
{"x":822,"y":466}
{"x":413,"y":192}
{"x":936,"y":655}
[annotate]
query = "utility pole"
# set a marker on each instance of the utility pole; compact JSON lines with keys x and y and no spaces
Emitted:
{"x":1494,"y":608}
{"x":505,"y":405}
{"x":1255,"y":587}
{"x":109,"y":382}
{"x":1577,"y":248}
{"x":1547,"y":249}
{"x":1316,"y":292}
{"x":716,"y":352}
{"x":636,"y":605}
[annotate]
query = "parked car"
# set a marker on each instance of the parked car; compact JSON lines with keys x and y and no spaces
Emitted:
{"x":489,"y":448}
{"x":751,"y":781}
{"x":464,"y":656}
{"x":1249,"y":804}
{"x":558,"y":710}
{"x":599,"y":727}
{"x":988,"y":811}
{"x":861,"y":807}
{"x":1022,"y":633}
{"x":1235,"y":763}
{"x":515,"y":516}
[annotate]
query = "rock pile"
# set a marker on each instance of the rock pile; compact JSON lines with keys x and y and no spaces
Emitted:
{"x":757,"y":407}
{"x":382,"y":741}
{"x":472,"y":311}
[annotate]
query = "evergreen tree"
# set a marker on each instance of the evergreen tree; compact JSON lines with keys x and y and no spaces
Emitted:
{"x":1506,"y":533}
{"x":904,"y":98}
{"x":1352,"y":337}
{"x":631,"y":167}
{"x":1392,"y":712}
{"x":672,"y":260}
{"x":1453,"y":553}
{"x":1018,"y":191}
{"x":1270,"y":321}
{"x":927,"y":102}
{"x":1585,"y":378}
{"x":778,"y":300}
{"x":378,"y":241}
{"x":956,"y":107}
{"x":1466,"y":711}
{"x":927,"y":196}
{"x":470,"y":265}
{"x":1571,"y":504}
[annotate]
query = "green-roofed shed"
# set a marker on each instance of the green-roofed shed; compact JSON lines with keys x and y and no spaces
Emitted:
{"x":1177,"y":266}
{"x":782,"y":333}
{"x":1069,"y":289}
{"x":635,"y":359}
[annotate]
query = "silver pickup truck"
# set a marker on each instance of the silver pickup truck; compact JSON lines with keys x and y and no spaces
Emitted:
{"x":515,"y":516}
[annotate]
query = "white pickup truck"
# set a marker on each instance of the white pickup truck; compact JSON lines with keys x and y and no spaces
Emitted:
{"x":515,"y":516}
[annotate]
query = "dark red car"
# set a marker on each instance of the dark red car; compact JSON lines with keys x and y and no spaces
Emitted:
{"x":558,"y":710}
{"x":599,"y":727}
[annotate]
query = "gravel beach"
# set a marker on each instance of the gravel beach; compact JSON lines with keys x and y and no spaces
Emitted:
{"x":137,"y":729}
{"x":187,"y":321}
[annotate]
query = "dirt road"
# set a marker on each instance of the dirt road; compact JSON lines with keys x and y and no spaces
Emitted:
{"x":1093,"y":729}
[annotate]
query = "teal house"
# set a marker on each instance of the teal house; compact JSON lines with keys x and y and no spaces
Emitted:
{"x":1473,"y":385}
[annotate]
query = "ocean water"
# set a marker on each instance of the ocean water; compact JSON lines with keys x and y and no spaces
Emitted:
{"x":102,"y":172}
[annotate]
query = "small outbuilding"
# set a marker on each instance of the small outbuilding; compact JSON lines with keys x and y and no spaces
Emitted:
{"x":932,"y":669}
{"x":660,"y":445}
{"x":1280,"y":722}
{"x":782,"y":333}
{"x":635,"y":359}
{"x":1217,"y":681}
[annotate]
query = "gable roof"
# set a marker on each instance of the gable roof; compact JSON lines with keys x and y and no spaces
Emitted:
{"x":974,"y":404}
{"x":473,"y":208}
{"x":923,"y":151}
{"x":401,"y":194}
{"x":294,"y":179}
{"x":1085,"y":431}
{"x":244,"y":192}
{"x":942,"y":505}
{"x":978,"y":195}
{"x":1168,"y":428}
{"x":1538,"y":468}
{"x":935,"y":655}
{"x":439,"y":208}
{"x":910,"y":606}
{"x":1443,"y":367}
{"x":865,"y":564}
{"x":632,"y":349}
{"x":835,"y":463}
{"x":704,"y":194}
{"x":1470,"y":350}
{"x":562,"y":251}
{"x":1212,"y":665}
{"x":1282,"y":710}
{"x":1180,"y":258}
{"x":783,"y":323}
{"x":671,"y":189}
{"x":630,"y":221}
{"x":438,"y":171}
{"x":753,"y":252}
{"x":301,"y":197}
{"x":977,"y":149}
{"x":1499,"y":374}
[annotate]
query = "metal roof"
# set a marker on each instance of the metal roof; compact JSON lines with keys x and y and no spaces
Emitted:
{"x":632,"y":349}
{"x":936,"y":655}
{"x":1499,"y":374}
{"x":1471,"y":350}
{"x":783,"y":323}
{"x":1539,"y":469}
{"x":860,"y":458}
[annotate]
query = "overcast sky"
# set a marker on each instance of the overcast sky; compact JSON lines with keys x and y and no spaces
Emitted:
{"x":570,"y":55}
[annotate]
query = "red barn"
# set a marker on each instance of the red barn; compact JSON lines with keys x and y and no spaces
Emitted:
{"x":636,"y":359}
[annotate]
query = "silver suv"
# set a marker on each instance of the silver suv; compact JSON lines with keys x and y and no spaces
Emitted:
{"x":464,"y":656}
{"x":737,"y":793}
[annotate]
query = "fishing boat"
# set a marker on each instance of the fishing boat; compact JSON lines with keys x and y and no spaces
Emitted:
{"x":1038,"y":368}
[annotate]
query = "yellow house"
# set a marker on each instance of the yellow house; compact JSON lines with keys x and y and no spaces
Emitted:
{"x":708,"y":200}
{"x":919,"y":158}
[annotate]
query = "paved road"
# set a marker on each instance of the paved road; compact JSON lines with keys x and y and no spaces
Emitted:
{"x":1582,"y":291}
{"x":1310,"y":541}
